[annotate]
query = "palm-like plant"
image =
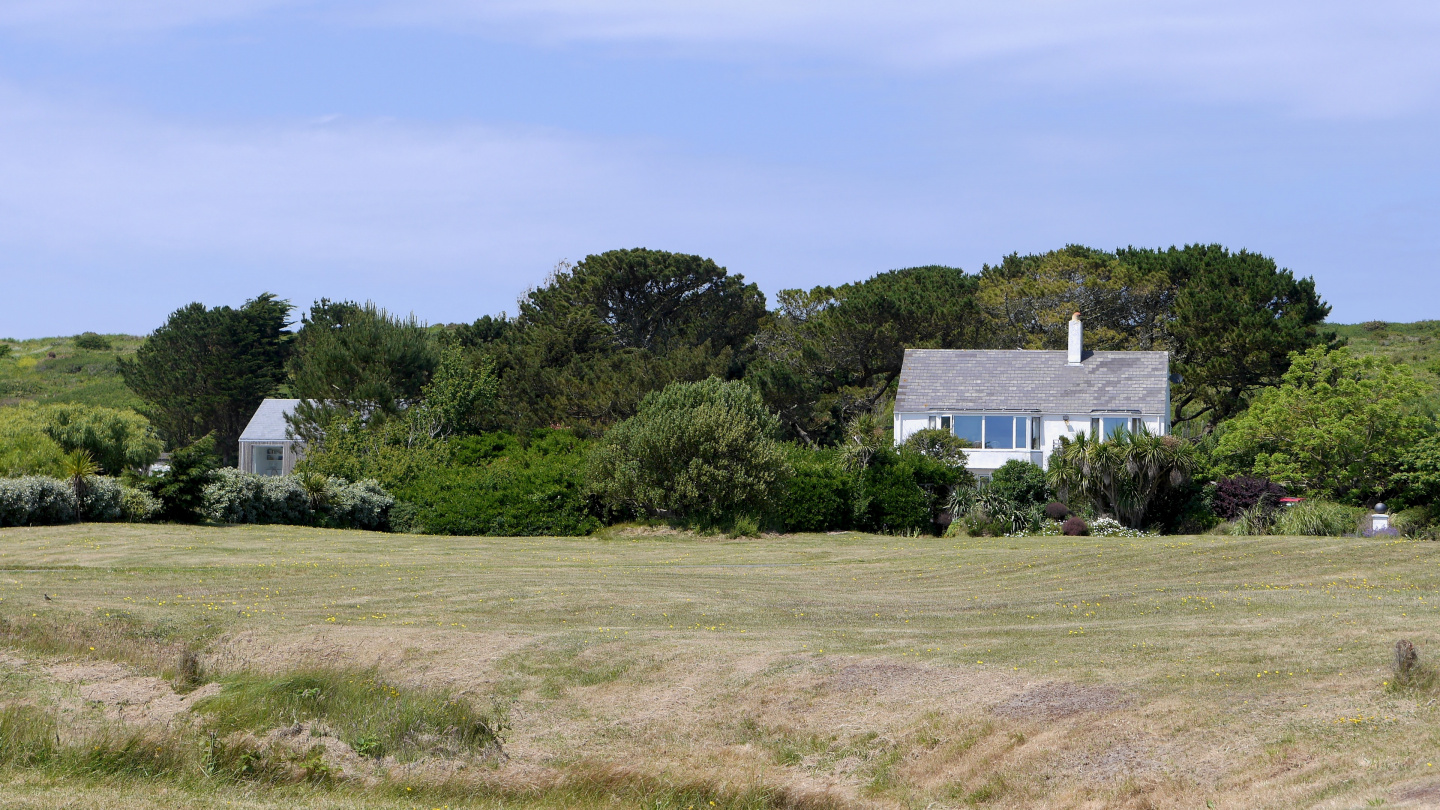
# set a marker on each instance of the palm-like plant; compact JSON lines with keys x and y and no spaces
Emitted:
{"x":1120,"y":475}
{"x":78,"y":466}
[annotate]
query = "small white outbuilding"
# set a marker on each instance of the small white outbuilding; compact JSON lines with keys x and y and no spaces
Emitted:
{"x":267,"y":447}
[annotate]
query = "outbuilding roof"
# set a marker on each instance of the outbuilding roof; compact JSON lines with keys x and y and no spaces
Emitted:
{"x":268,"y":424}
{"x":1033,"y":381}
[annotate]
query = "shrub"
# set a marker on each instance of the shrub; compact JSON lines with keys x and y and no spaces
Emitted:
{"x":1234,"y":496}
{"x":36,"y":501}
{"x":1074,"y":527}
{"x":816,"y":498}
{"x":104,"y":499}
{"x":91,"y":342}
{"x":1317,"y":518}
{"x":1253,"y":521}
{"x":534,"y":490}
{"x":181,"y":489}
{"x":239,"y":497}
{"x":1056,"y":511}
{"x":1021,"y":483}
{"x":29,"y":454}
{"x":695,"y":450}
{"x":359,"y":505}
{"x":904,"y":491}
{"x":941,"y":445}
{"x":137,"y":505}
{"x":233,"y":496}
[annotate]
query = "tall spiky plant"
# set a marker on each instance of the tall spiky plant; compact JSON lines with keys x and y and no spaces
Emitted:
{"x":1120,"y":475}
{"x":78,"y":466}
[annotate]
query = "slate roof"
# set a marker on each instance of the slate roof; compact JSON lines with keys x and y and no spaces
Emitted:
{"x":1032,"y":381}
{"x":268,"y":424}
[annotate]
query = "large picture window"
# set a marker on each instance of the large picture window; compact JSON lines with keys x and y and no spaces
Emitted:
{"x":1106,"y":428}
{"x":993,"y":432}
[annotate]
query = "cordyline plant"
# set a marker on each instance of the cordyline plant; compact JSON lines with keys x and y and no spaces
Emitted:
{"x":1123,"y":474}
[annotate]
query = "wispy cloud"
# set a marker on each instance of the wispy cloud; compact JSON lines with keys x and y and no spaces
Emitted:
{"x":1318,"y":57}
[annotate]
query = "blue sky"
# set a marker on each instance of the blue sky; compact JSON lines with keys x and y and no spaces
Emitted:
{"x":440,"y":156}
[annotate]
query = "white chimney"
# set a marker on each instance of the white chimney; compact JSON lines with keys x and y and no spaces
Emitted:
{"x":1077,"y":340}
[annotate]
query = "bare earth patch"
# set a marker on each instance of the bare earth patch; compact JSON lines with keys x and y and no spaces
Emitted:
{"x":1055,"y":701}
{"x":125,"y":696}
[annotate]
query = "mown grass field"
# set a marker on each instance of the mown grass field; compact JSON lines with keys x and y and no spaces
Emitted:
{"x":808,"y":671}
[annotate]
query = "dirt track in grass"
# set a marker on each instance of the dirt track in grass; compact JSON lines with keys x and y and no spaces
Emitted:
{"x":831,"y":670}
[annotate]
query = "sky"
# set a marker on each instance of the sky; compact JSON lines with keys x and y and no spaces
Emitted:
{"x":442,"y":156}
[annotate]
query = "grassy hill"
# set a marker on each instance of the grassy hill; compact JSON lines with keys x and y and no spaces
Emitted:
{"x":56,"y":370}
{"x":1414,"y":344}
{"x":669,"y":671}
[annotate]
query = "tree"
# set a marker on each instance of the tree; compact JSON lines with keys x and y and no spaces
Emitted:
{"x":207,"y":370}
{"x":181,"y":489}
{"x":353,"y":359}
{"x":1418,"y":480}
{"x":1234,"y":324}
{"x":452,"y":402}
{"x":1122,"y":475}
{"x":1028,"y":300}
{"x":597,"y":337}
{"x":827,"y":354}
{"x":79,"y":466}
{"x":701,"y":450}
{"x":1338,"y":426}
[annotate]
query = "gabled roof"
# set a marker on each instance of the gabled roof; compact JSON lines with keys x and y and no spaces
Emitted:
{"x":1032,"y":381}
{"x":268,"y":424}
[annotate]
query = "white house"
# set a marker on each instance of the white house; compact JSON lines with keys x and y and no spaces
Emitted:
{"x":1016,"y":404}
{"x":265,"y":446}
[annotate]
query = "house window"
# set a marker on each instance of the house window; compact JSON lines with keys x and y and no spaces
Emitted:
{"x":1034,"y":433}
{"x":969,"y":428}
{"x":1106,"y":428}
{"x":269,"y":459}
{"x":999,"y":433}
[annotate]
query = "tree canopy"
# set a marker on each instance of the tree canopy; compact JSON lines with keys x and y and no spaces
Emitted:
{"x":207,"y":370}
{"x":354,"y":359}
{"x":1338,"y":426}
{"x":589,"y":344}
{"x":830,"y":353}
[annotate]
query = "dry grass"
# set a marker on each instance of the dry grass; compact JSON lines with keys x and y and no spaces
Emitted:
{"x":810,"y":671}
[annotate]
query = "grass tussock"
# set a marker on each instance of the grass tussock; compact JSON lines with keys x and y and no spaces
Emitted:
{"x":31,"y":738}
{"x":370,"y":714}
{"x":1316,"y":519}
{"x":163,"y":650}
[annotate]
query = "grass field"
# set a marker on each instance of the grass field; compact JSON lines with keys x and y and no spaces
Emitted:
{"x":808,"y":671}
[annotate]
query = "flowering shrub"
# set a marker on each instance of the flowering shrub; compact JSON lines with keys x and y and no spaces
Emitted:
{"x":1075,"y":526}
{"x":1110,"y":527}
{"x":1385,"y":532}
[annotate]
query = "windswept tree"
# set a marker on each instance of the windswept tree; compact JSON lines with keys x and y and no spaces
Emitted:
{"x":354,"y":360}
{"x":597,"y":337}
{"x":1236,"y":321}
{"x":1028,"y":300}
{"x":830,"y":353}
{"x":206,"y":370}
